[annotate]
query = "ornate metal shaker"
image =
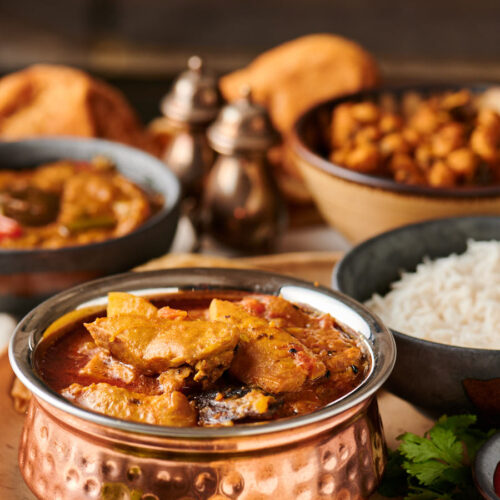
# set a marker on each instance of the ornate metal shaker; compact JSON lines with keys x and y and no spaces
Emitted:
{"x":190,"y":106}
{"x":242,"y":206}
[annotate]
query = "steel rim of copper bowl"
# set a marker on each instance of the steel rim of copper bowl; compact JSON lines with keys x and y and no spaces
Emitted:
{"x":314,"y":158}
{"x":31,"y":327}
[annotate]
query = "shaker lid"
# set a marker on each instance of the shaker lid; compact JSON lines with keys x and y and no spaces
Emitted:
{"x":194,"y":97}
{"x":242,"y":126}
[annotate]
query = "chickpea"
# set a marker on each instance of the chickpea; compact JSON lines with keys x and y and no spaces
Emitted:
{"x":410,"y":103}
{"x":451,"y":136}
{"x":364,"y":158}
{"x":425,"y":120}
{"x":463,"y":162}
{"x":393,"y":143}
{"x":440,"y":175}
{"x":339,"y":156}
{"x":484,"y":144}
{"x":369,"y":133}
{"x":423,"y":156}
{"x":411,"y":136}
{"x":401,"y":161}
{"x":366,"y":112}
{"x":489,"y":120}
{"x":441,"y":140}
{"x":405,"y":170}
{"x":389,"y":122}
{"x":406,"y":177}
{"x":344,"y":126}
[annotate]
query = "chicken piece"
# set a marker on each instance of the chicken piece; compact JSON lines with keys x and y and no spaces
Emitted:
{"x":321,"y":334}
{"x":103,"y":365}
{"x":174,"y":379}
{"x":231,"y":405}
{"x":126,"y":303}
{"x":153,"y":345}
{"x":267,"y":356}
{"x":88,"y":349}
{"x":172,"y":409}
{"x":334,"y":344}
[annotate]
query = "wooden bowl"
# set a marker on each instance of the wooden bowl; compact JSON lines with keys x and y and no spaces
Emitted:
{"x":361,"y":205}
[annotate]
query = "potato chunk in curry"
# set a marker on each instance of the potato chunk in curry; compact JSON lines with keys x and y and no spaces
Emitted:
{"x":171,"y":409}
{"x":154,"y":345}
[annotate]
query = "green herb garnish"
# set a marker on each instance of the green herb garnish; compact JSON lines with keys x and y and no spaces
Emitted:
{"x":438,"y":465}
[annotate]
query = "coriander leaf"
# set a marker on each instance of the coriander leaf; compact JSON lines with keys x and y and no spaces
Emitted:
{"x":451,"y":450}
{"x":437,"y":466}
{"x":426,"y":472}
{"x":418,"y":449}
{"x":457,"y":423}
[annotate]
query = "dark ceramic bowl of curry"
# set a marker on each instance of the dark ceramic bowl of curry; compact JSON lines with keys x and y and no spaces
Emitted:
{"x":201,"y":383}
{"x":76,"y":209}
{"x":437,"y":377}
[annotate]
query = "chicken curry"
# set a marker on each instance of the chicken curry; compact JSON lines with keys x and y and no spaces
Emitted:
{"x":201,"y":359}
{"x":68,"y":203}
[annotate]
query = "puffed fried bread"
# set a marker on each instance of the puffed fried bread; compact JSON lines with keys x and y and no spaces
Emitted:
{"x":48,"y":100}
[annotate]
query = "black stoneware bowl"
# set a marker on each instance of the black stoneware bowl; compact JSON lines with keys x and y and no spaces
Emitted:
{"x":436,"y":377}
{"x":29,"y":276}
{"x":487,"y":460}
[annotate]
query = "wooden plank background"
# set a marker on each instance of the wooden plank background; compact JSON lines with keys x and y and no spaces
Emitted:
{"x":140,"y":44}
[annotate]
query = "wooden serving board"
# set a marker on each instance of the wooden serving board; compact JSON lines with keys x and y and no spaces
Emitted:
{"x":398,"y":416}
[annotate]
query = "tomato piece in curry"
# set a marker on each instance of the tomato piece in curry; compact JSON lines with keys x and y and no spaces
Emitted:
{"x":203,"y":358}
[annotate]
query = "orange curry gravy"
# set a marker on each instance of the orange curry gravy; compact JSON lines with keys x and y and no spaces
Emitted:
{"x":70,"y":202}
{"x":156,"y":360}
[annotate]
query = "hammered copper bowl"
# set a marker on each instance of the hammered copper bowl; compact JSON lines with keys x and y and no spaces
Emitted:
{"x":29,"y":276}
{"x":69,"y":453}
{"x":361,"y":205}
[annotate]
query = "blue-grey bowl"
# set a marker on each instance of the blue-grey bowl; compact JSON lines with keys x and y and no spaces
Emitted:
{"x":29,"y":276}
{"x":436,"y":377}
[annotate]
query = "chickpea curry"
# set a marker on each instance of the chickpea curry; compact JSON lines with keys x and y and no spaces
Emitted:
{"x":447,"y":140}
{"x":200,"y":359}
{"x":68,"y":203}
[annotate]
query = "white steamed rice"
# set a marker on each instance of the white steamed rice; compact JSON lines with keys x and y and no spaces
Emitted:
{"x":452,"y":300}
